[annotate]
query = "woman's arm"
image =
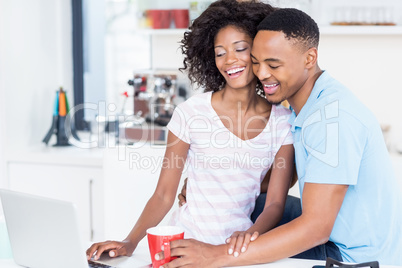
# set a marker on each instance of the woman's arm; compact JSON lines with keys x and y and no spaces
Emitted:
{"x":278,"y":187}
{"x":158,"y":205}
{"x":265,"y":182}
{"x":281,"y":176}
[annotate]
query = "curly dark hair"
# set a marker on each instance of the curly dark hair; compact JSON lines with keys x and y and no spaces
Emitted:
{"x":295,"y":24}
{"x":197,"y":45}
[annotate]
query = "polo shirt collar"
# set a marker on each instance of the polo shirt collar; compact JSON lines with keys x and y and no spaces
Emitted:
{"x":319,"y":86}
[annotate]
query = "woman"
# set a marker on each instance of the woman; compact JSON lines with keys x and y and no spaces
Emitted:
{"x":229,"y":136}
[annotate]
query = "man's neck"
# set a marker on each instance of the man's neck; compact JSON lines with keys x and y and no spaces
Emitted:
{"x":299,"y":99}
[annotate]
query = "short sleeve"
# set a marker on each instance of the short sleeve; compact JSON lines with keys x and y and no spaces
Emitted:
{"x":288,"y":138}
{"x":334,"y":148}
{"x":178,"y":124}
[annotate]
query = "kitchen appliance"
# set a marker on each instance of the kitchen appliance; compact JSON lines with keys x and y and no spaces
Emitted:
{"x":153,"y":96}
{"x":156,"y":94}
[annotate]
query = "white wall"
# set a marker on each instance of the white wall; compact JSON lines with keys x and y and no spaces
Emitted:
{"x":36,"y":59}
{"x":2,"y":100}
{"x":370,"y":65}
{"x":2,"y":111}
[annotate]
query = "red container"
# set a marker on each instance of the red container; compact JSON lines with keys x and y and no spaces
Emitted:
{"x":180,"y":18}
{"x":160,"y":18}
{"x":161,"y":236}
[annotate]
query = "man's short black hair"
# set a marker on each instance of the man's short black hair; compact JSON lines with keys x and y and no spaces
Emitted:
{"x":295,"y":24}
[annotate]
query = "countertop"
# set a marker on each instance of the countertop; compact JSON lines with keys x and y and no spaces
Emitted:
{"x":141,"y":259}
{"x":74,"y":155}
{"x":94,"y":157}
{"x":68,"y":155}
{"x":132,"y":263}
{"x":286,"y":263}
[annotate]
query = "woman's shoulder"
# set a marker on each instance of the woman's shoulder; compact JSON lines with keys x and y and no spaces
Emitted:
{"x":202,"y":95}
{"x":199,"y":101}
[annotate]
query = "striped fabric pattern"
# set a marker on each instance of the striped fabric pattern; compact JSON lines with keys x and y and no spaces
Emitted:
{"x":224,"y":171}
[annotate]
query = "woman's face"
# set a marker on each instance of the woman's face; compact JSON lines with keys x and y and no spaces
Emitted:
{"x":232,"y":57}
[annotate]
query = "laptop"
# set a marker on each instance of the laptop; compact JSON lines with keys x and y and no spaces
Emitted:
{"x":44,"y":233}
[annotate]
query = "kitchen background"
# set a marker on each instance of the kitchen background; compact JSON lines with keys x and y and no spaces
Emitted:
{"x":119,"y":42}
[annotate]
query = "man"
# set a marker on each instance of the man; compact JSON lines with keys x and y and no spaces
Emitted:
{"x":348,"y":190}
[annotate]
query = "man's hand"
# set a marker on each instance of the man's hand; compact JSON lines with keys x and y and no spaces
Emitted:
{"x":115,"y":248}
{"x":193,"y":253}
{"x":182,"y":195}
{"x":239,"y":241}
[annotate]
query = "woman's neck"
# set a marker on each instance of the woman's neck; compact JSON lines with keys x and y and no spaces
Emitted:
{"x":247,"y":98}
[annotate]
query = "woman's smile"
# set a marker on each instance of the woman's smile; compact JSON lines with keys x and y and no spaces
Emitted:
{"x":235,"y":72}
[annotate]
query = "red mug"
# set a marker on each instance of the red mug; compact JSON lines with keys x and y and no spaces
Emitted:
{"x":159,"y":238}
{"x":160,"y":18}
{"x":180,"y":18}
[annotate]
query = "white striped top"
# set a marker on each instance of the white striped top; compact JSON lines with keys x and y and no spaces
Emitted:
{"x":224,"y":171}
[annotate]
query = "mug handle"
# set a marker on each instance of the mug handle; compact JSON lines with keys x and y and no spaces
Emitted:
{"x":166,"y":249}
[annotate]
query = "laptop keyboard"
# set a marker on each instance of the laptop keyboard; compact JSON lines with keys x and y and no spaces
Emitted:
{"x":92,"y":264}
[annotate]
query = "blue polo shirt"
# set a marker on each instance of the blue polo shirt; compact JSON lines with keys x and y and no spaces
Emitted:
{"x":338,"y":140}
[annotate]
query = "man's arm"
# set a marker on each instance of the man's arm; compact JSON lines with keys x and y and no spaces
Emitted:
{"x":321,"y":204}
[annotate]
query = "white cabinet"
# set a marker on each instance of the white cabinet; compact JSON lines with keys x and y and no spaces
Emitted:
{"x":109,"y":186}
{"x":63,"y":174}
{"x":131,"y":175}
{"x":73,"y":184}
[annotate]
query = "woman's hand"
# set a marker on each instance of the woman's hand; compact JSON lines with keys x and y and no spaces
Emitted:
{"x":115,"y":248}
{"x":238,"y":242}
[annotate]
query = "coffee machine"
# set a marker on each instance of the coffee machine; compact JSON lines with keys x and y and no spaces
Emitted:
{"x":153,"y":96}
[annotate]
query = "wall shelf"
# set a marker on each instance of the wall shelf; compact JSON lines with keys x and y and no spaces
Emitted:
{"x":360,"y":30}
{"x":162,"y":31}
{"x":324,"y":30}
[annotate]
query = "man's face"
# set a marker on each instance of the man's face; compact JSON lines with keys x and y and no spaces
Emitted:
{"x":279,"y":64}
